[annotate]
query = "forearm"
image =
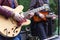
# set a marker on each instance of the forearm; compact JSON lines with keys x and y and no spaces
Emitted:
{"x":5,"y":12}
{"x":1,"y":2}
{"x":16,"y":3}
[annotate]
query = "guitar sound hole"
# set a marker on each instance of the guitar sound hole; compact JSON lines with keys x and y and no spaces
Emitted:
{"x":13,"y":35}
{"x":8,"y":32}
{"x":16,"y":31}
{"x":5,"y":29}
{"x":12,"y":28}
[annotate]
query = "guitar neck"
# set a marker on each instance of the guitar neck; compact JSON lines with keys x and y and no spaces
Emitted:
{"x":36,"y":10}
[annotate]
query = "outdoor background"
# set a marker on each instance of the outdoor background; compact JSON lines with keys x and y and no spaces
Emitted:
{"x":53,"y":6}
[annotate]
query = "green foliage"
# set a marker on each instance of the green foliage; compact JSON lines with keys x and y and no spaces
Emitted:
{"x":54,"y":6}
{"x":25,"y":3}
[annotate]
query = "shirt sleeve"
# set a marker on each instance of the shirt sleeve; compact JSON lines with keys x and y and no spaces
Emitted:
{"x":1,"y":2}
{"x":5,"y":12}
{"x":16,"y":3}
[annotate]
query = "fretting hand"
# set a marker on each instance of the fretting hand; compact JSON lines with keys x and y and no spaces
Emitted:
{"x":54,"y":16}
{"x":41,"y":15}
{"x":30,"y":15}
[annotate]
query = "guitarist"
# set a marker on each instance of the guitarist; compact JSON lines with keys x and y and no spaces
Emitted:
{"x":12,"y":4}
{"x":38,"y":28}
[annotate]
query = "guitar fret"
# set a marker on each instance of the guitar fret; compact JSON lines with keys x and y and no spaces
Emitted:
{"x":36,"y":10}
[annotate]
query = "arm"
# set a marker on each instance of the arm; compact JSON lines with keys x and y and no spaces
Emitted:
{"x":0,"y":2}
{"x":15,"y":2}
{"x":5,"y":12}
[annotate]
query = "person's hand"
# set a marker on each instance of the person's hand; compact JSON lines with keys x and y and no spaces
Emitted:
{"x":31,"y":14}
{"x":41,"y":15}
{"x":54,"y":16}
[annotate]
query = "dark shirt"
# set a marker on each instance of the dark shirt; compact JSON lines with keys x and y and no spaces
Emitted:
{"x":37,"y":3}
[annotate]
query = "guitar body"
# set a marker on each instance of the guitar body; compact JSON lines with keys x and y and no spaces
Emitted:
{"x":38,"y":19}
{"x":7,"y":26}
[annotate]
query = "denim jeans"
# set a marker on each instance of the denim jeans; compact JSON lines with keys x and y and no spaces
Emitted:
{"x":38,"y":29}
{"x":14,"y":38}
{"x":50,"y":27}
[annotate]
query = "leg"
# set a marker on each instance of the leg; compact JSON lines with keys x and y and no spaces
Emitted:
{"x":41,"y":31}
{"x":50,"y":27}
{"x":18,"y":37}
{"x":1,"y":37}
{"x":33,"y":28}
{"x":14,"y":38}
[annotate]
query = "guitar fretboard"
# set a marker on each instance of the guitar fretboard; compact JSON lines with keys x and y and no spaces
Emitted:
{"x":36,"y":10}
